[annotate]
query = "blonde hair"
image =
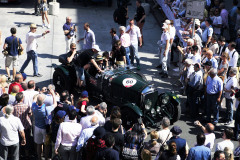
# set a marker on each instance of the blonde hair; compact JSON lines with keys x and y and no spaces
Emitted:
{"x":226,"y":55}
{"x":154,"y":137}
{"x":228,"y":153}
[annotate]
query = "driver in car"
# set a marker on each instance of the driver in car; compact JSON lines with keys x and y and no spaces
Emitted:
{"x":81,"y":60}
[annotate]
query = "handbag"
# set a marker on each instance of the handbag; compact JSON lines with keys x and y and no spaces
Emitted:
{"x":20,"y":50}
{"x":129,"y":153}
{"x":5,"y":51}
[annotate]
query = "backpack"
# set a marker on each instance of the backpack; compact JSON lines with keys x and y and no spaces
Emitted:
{"x":116,"y":15}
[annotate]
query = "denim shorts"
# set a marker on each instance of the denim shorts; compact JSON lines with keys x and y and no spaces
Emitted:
{"x":80,"y":73}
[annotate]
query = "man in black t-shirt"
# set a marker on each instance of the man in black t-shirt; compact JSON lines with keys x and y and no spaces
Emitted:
{"x":119,"y":54}
{"x":140,"y":16}
{"x":81,"y":59}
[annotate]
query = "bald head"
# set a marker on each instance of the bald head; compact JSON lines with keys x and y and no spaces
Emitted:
{"x":94,"y":121}
{"x":31,"y":84}
{"x":15,"y":89}
{"x":40,"y":99}
{"x":209,"y":54}
{"x":18,"y":78}
{"x":210,"y":128}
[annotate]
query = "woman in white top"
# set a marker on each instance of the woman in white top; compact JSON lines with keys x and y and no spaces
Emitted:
{"x":217,"y":22}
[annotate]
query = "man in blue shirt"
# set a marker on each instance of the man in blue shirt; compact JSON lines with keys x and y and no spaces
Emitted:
{"x":194,"y":88}
{"x":11,"y":44}
{"x":214,"y":91}
{"x":199,"y":151}
{"x":40,"y":112}
{"x":207,"y":33}
{"x":210,"y":57}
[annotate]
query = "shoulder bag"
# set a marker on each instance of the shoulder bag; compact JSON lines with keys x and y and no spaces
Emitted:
{"x":5,"y":51}
{"x":20,"y":50}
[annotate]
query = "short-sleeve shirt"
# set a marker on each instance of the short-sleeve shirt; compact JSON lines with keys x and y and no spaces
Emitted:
{"x":216,"y":21}
{"x":114,"y":39}
{"x":214,"y":85}
{"x":9,"y":128}
{"x":206,"y":33}
{"x":67,"y":27}
{"x":12,"y":45}
{"x":225,"y":66}
{"x":140,"y":14}
{"x":85,"y":57}
{"x":164,"y":37}
{"x":40,"y":113}
{"x":230,"y":82}
{"x":119,"y":54}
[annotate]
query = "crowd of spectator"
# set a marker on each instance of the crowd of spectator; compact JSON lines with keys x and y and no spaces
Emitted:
{"x":33,"y":120}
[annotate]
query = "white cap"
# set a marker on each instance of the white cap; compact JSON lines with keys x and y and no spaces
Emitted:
{"x":164,"y":26}
{"x":96,"y":47}
{"x":197,"y":22}
{"x":167,"y":21}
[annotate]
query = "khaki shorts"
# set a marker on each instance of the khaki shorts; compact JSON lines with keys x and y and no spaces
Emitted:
{"x":39,"y":135}
{"x":10,"y":59}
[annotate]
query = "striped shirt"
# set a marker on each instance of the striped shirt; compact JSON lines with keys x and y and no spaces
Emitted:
{"x":22,"y":111}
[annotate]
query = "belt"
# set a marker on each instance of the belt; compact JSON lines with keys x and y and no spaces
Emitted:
{"x":212,"y":94}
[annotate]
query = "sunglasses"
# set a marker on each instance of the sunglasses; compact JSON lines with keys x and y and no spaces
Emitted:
{"x":73,"y":48}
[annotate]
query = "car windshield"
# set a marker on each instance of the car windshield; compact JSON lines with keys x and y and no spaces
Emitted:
{"x":109,"y":72}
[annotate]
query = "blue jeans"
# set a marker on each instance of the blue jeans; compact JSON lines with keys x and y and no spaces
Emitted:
{"x":31,"y":55}
{"x":80,"y":73}
{"x":134,"y":53}
{"x":127,"y":55}
{"x":229,"y":106}
{"x":212,"y":107}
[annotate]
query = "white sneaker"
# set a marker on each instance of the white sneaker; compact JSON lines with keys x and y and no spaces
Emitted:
{"x":43,"y":25}
{"x":48,"y":26}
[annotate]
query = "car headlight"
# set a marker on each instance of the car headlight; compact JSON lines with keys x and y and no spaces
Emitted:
{"x":148,"y":104}
{"x":158,"y":109}
{"x":153,"y":112}
{"x":165,"y":99}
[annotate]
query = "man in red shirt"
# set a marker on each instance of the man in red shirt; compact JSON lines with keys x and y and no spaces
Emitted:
{"x":18,"y":81}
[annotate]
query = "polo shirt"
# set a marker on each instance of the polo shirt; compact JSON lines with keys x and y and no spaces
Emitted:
{"x":199,"y":152}
{"x":125,"y":39}
{"x":164,"y":37}
{"x":214,"y":85}
{"x":40,"y":113}
{"x":14,"y":84}
{"x":225,"y":143}
{"x":233,"y":58}
{"x":214,"y":62}
{"x":9,"y":128}
{"x":206,"y":33}
{"x":134,"y":34}
{"x":12,"y":45}
{"x":231,"y":82}
{"x":67,"y":26}
{"x":89,"y":39}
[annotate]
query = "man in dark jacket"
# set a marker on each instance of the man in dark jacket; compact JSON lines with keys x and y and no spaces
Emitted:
{"x":108,"y":153}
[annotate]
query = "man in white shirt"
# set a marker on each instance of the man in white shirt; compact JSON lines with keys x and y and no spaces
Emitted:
{"x":164,"y":49}
{"x":172,"y":33}
{"x":67,"y":136}
{"x":126,"y":42}
{"x":233,"y":55}
{"x":208,"y":131}
{"x":31,"y":40}
{"x":87,"y":133}
{"x":214,"y":45}
{"x":9,"y":139}
{"x":86,"y":121}
{"x":196,"y":56}
{"x":164,"y":134}
{"x":135,"y":36}
{"x":30,"y":93}
{"x":227,"y":134}
{"x":229,"y":88}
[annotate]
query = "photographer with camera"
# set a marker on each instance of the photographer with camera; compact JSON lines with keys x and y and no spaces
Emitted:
{"x":208,"y":131}
{"x":69,"y":31}
{"x":10,"y":47}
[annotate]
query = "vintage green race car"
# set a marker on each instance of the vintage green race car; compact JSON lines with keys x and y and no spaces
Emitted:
{"x":127,"y":89}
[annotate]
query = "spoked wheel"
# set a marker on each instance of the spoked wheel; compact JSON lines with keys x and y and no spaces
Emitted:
{"x":61,"y":81}
{"x":172,"y":112}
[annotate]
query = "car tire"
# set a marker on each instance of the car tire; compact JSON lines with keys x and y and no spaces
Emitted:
{"x":61,"y":81}
{"x":129,"y":118}
{"x":175,"y":112}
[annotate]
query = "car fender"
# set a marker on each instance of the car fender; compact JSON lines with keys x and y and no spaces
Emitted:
{"x":134,"y":107}
{"x":174,"y":96}
{"x":61,"y":67}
